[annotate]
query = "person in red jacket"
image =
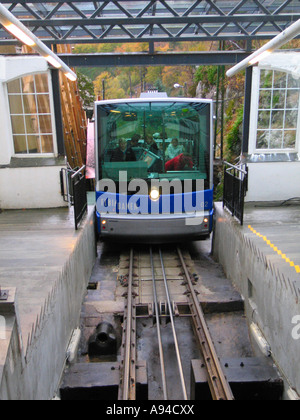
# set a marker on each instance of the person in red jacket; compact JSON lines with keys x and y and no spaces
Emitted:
{"x":179,"y":163}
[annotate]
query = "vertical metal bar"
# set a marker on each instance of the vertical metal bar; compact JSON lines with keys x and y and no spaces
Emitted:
{"x":217,"y":112}
{"x":222,"y":107}
{"x":247,"y":107}
{"x":73,"y":183}
{"x":225,"y":188}
{"x":173,"y":329}
{"x":58,"y":113}
{"x":161,"y":352}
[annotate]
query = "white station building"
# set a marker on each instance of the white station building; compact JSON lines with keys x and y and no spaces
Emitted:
{"x":30,"y":158}
{"x":274,"y":136}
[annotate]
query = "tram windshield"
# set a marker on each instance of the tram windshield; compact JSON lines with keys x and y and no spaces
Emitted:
{"x":154,"y":139}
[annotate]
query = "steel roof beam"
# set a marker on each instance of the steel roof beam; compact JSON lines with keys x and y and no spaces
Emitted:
{"x":146,"y":20}
{"x":157,"y":59}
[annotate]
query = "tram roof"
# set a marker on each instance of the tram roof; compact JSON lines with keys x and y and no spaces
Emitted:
{"x":153,"y":99}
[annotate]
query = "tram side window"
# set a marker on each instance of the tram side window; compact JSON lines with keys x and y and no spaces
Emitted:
{"x":30,"y":112}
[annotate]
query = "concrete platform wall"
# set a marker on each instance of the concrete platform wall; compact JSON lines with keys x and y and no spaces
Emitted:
{"x":271,"y":181}
{"x":16,"y":193}
{"x":271,"y":299}
{"x":34,"y":372}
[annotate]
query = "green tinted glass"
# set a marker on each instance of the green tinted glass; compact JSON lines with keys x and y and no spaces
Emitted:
{"x":154,"y":140}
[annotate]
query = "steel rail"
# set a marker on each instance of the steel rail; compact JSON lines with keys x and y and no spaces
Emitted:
{"x":184,"y":391}
{"x":161,"y":352}
{"x":127,"y":390}
{"x":217,"y":381}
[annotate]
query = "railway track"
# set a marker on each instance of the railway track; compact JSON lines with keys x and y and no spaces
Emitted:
{"x":157,"y":272}
{"x":145,"y":337}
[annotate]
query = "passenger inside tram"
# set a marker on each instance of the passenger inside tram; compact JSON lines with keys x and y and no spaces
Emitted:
{"x":150,"y":144}
{"x":180,"y":163}
{"x":174,"y":149}
{"x":160,"y":139}
{"x":134,"y":142}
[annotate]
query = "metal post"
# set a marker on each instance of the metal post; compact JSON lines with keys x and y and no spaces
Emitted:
{"x":247,"y":108}
{"x":103,"y":89}
{"x":58,"y":113}
{"x":217,"y":112}
{"x":222,"y":111}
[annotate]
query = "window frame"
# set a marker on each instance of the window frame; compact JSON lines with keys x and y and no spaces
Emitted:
{"x":51,"y":114}
{"x":256,"y":89}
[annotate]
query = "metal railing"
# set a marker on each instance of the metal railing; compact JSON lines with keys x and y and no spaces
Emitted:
{"x":235,"y":189}
{"x":66,"y":185}
{"x":73,"y":190}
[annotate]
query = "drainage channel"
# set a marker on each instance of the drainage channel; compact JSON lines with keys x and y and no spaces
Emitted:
{"x":152,"y":339}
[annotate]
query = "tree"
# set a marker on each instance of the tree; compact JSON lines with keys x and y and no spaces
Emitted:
{"x":181,"y":75}
{"x":86,"y":90}
{"x":112,"y":86}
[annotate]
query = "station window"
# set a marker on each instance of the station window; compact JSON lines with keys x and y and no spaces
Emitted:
{"x":30,"y":111}
{"x":278,"y":111}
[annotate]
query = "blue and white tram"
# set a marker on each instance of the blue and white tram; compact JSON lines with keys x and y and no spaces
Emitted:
{"x":154,"y":169}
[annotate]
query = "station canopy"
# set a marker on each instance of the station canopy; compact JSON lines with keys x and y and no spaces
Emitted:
{"x":117,"y":21}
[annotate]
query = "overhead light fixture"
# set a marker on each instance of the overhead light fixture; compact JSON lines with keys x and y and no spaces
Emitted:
{"x":71,"y":76}
{"x":281,"y":39}
{"x":18,"y":33}
{"x":260,"y":57}
{"x":16,"y":28}
{"x":53,"y":61}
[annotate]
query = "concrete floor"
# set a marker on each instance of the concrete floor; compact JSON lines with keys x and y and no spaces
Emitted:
{"x":262,"y":258}
{"x":34,"y":247}
{"x":277,"y":234}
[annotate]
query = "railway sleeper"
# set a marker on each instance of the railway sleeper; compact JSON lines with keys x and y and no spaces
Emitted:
{"x":100,"y":381}
{"x":250,"y":378}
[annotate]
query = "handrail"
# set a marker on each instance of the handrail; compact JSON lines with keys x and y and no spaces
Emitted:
{"x":77,"y":172}
{"x":235,"y":189}
{"x":236,"y":167}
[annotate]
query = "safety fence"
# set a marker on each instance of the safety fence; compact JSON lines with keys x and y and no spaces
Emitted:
{"x":235,"y":189}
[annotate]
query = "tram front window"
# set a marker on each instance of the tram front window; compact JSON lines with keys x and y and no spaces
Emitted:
{"x":152,"y":140}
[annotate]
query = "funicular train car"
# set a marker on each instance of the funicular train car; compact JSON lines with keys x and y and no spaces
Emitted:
{"x":154,"y":169}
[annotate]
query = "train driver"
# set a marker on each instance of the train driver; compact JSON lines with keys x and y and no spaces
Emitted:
{"x":123,"y":153}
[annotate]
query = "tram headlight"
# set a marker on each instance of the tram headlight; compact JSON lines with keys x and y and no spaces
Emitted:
{"x":154,"y":194}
